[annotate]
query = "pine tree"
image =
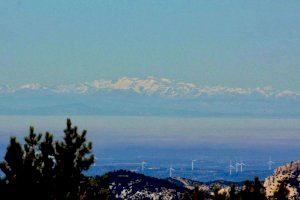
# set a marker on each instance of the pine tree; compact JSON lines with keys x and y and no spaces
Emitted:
{"x":72,"y":160}
{"x":247,"y":191}
{"x":198,"y":194}
{"x":259,"y":190}
{"x":47,"y":169}
{"x":232,"y":195}
{"x":48,"y":160}
{"x":12,"y":167}
{"x":32,"y":165}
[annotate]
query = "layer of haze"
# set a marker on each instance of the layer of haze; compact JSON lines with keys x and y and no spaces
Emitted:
{"x":164,"y":132}
{"x":230,"y":43}
{"x":124,"y":142}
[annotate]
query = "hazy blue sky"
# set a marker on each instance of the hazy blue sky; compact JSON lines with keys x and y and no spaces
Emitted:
{"x":230,"y":43}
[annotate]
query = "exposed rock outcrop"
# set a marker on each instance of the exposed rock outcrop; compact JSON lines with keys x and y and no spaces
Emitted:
{"x":290,"y":175}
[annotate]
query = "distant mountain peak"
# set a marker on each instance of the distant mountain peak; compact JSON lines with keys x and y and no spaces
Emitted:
{"x":148,"y":96}
{"x":163,"y":87}
{"x":32,"y":86}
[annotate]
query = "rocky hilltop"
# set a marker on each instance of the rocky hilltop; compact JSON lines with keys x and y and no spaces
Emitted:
{"x":289,"y":175}
{"x":130,"y":185}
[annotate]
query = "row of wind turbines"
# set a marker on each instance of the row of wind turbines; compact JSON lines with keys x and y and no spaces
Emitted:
{"x":239,"y":166}
{"x":236,"y":167}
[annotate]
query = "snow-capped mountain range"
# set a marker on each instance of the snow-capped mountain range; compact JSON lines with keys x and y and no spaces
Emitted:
{"x":150,"y":96}
{"x":150,"y":86}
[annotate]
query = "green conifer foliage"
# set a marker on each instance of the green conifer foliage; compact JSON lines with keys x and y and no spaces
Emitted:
{"x":72,"y":160}
{"x":48,"y":169}
{"x":31,"y":159}
{"x":12,"y":167}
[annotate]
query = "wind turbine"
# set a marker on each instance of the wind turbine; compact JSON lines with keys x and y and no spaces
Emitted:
{"x":193,"y":161}
{"x":230,"y":168}
{"x":241,"y":165}
{"x":237,"y":167}
{"x":143,"y":165}
{"x":270,"y":163}
{"x":170,"y":171}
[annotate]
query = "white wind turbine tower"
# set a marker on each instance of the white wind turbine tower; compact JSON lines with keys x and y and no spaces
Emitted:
{"x":237,"y":167}
{"x":143,"y":165}
{"x":270,"y":163}
{"x":171,"y":169}
{"x":241,"y":166}
{"x":193,"y":161}
{"x":230,"y":168}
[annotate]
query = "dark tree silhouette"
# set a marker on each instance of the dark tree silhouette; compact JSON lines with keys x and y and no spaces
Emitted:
{"x":47,"y":169}
{"x":259,"y":190}
{"x":12,"y":167}
{"x":217,"y":196}
{"x":282,"y":192}
{"x":198,"y":194}
{"x":253,"y":190}
{"x":31,"y":174}
{"x":247,"y":191}
{"x":186,"y":196}
{"x":72,"y":161}
{"x":48,"y":159}
{"x":232,"y":195}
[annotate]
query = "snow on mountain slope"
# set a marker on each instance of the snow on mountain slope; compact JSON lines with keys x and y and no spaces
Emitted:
{"x":150,"y":86}
{"x":150,"y":96}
